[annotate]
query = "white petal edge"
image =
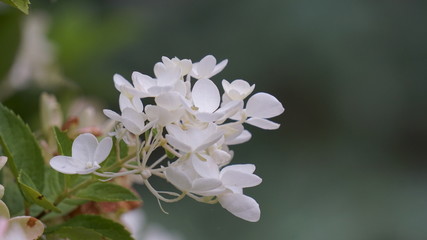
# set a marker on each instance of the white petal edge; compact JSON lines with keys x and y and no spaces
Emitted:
{"x":263,"y":123}
{"x":241,"y":206}
{"x":263,"y":105}
{"x":64,"y":165}
{"x":103,"y":150}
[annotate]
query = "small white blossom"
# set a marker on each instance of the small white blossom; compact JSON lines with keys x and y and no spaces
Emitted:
{"x":237,"y":90}
{"x":87,"y":154}
{"x":192,"y":139}
{"x":207,"y":67}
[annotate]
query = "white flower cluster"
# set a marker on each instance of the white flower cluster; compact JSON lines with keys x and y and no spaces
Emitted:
{"x":192,"y":122}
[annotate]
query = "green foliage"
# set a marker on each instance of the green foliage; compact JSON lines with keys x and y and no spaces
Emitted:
{"x":22,"y":5}
{"x":64,"y":143}
{"x":13,"y":197}
{"x":112,"y":158}
{"x":21,"y":147}
{"x":9,"y":42}
{"x":32,"y":195}
{"x":76,"y":233}
{"x":90,"y":227}
{"x":106,"y":192}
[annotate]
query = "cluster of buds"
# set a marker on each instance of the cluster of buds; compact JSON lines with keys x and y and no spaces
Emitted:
{"x":193,"y":123}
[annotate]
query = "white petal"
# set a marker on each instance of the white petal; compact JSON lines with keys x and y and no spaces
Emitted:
{"x":112,"y":115}
{"x":178,"y":144}
{"x":3,"y":160}
{"x":185,"y":65}
{"x":166,"y":76}
{"x":32,"y":227}
{"x":170,"y":100}
{"x":206,"y":66}
{"x":103,"y":150}
{"x":120,"y":82}
{"x":263,"y":123}
{"x":206,"y":167}
{"x":84,"y":147}
{"x":142,"y":81}
{"x":65,"y":165}
{"x":124,"y":102}
{"x":206,"y":95}
{"x":4,"y":210}
{"x":263,"y":105}
{"x":205,"y":184}
{"x":137,"y":104}
{"x":133,"y":121}
{"x":241,"y":206}
{"x":178,"y":178}
{"x":246,"y":168}
{"x":218,"y":68}
{"x":225,"y":85}
{"x":240,"y":179}
{"x":208,"y":117}
{"x":243,"y":137}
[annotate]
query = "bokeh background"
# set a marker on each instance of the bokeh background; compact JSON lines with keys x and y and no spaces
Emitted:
{"x":350,"y":159}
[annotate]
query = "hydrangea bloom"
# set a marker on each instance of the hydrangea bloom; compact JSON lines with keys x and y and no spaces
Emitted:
{"x":195,"y":125}
{"x":87,"y":154}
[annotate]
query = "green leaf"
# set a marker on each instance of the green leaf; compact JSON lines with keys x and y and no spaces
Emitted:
{"x":32,"y":195}
{"x":21,"y":147}
{"x":63,"y":142}
{"x":13,"y":198}
{"x":112,"y":158}
{"x":76,"y":233}
{"x":19,"y":4}
{"x":106,"y":192}
{"x":106,"y":228}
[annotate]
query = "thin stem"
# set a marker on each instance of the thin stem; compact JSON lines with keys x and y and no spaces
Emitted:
{"x":199,"y":199}
{"x":158,"y":161}
{"x":171,"y":150}
{"x":158,"y":196}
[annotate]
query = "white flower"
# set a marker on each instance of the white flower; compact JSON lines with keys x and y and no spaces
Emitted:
{"x":167,"y":79}
{"x":185,"y":65}
{"x":132,"y":120}
{"x":237,"y":90}
{"x":261,"y":106}
{"x":195,"y":175}
{"x":87,"y":154}
{"x":168,"y":109}
{"x":193,"y":139}
{"x":206,"y":100}
{"x":207,"y":67}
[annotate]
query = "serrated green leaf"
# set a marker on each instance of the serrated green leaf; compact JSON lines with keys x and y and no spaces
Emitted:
{"x":105,"y":227}
{"x":63,"y":142}
{"x":106,"y":192}
{"x":76,"y":233}
{"x":32,"y":195}
{"x":21,"y":147}
{"x":22,"y":5}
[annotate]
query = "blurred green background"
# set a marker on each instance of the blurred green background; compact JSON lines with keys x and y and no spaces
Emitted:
{"x":350,"y":159}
